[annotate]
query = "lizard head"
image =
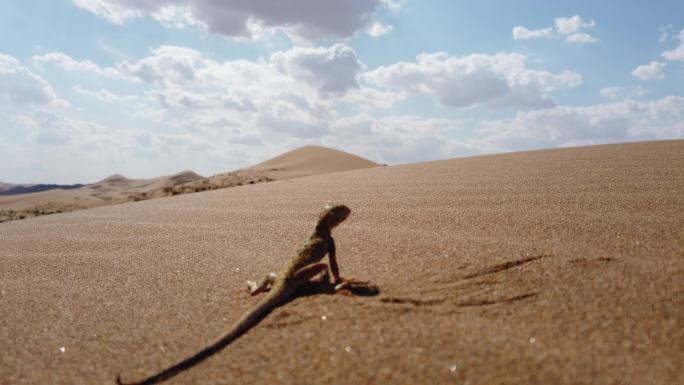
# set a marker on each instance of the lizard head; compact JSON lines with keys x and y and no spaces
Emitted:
{"x":333,"y":215}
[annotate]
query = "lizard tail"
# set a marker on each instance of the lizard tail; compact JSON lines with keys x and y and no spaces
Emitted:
{"x":247,"y":321}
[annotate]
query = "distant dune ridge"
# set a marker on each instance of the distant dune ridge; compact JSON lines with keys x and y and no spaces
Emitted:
{"x":561,"y":266}
{"x":305,"y":161}
{"x":38,"y":188}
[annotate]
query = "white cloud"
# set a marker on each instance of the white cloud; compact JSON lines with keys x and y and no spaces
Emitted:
{"x":676,"y":54}
{"x":581,"y":38}
{"x":522,"y":33}
{"x":571,"y":25}
{"x":173,"y":16}
{"x":652,"y":71}
{"x":377,"y":29}
{"x":167,"y":65}
{"x":394,"y":139}
{"x":249,"y":140}
{"x":603,"y":123}
{"x":329,"y":70}
{"x":615,"y":93}
{"x":69,"y":63}
{"x":21,"y":86}
{"x":49,"y":128}
{"x":490,"y":80}
{"x":393,"y":5}
{"x":110,"y":10}
{"x":104,"y":95}
{"x":324,"y":95}
{"x":414,"y":138}
{"x":568,"y":27}
{"x":63,"y":144}
{"x":666,"y":31}
{"x":368,"y":98}
{"x":306,"y":19}
{"x":286,"y":96}
{"x":611,"y":92}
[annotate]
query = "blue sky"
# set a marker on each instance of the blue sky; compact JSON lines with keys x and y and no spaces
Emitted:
{"x":89,"y":88}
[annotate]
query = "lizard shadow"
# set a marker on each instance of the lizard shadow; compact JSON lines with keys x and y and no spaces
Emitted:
{"x":351,"y":289}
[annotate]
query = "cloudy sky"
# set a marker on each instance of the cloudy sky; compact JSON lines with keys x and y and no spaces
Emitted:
{"x":89,"y":88}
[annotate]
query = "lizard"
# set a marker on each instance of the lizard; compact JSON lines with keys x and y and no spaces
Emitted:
{"x":304,"y":265}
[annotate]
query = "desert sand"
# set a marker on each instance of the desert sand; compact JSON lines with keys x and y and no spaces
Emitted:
{"x":563,"y":266}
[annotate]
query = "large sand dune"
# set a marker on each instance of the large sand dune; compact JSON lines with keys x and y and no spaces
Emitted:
{"x":312,"y":160}
{"x":548,"y":267}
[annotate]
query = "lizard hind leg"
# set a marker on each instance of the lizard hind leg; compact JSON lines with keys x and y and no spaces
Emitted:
{"x":306,"y":273}
{"x":265,"y":284}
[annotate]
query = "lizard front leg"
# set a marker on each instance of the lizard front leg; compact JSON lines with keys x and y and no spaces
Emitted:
{"x":339,"y":282}
{"x":334,"y":269}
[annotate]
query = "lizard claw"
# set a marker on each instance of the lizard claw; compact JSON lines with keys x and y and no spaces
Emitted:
{"x":341,"y":286}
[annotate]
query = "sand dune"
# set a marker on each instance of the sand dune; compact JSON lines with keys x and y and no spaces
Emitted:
{"x":304,"y":161}
{"x":185,"y":176}
{"x":549,"y":267}
{"x":312,"y":160}
{"x":115,"y":189}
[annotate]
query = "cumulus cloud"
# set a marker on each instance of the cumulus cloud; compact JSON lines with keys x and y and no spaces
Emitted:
{"x":248,"y":139}
{"x":566,"y":27}
{"x":377,"y":29}
{"x":583,"y":125}
{"x":237,"y":18}
{"x":490,"y":80}
{"x":329,"y":70}
{"x":398,"y":139}
{"x":103,"y":95}
{"x":570,"y":25}
{"x":676,"y":54}
{"x":67,"y":62}
{"x":652,"y":71}
{"x":581,"y":38}
{"x":49,"y":128}
{"x":167,"y":65}
{"x":289,"y":95}
{"x":394,"y":139}
{"x":21,"y":86}
{"x":610,"y":92}
{"x":522,"y":33}
{"x":173,"y":16}
{"x":115,"y":12}
{"x":324,"y":95}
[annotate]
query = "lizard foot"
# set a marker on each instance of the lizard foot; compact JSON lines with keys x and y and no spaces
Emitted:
{"x":354,"y":287}
{"x":252,"y":286}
